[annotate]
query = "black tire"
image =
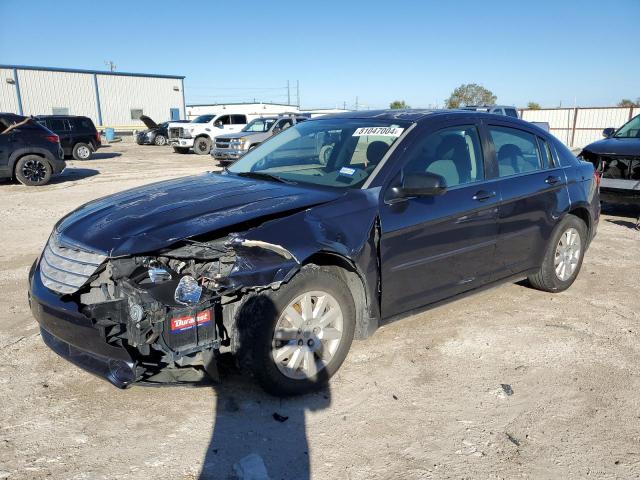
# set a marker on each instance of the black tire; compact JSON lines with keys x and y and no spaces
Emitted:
{"x":252,"y":147}
{"x":33,"y":170}
{"x":82,"y":151}
{"x":257,"y":318}
{"x":546,"y":279}
{"x":202,"y":145}
{"x":181,"y":150}
{"x":160,"y":140}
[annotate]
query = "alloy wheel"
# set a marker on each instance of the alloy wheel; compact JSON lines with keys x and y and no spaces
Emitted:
{"x":307,"y":335}
{"x":34,"y":170}
{"x":567,"y":254}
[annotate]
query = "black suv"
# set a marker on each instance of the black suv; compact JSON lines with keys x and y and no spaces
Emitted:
{"x":28,"y":151}
{"x":78,"y":135}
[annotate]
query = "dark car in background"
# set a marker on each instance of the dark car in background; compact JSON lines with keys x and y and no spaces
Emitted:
{"x":155,"y":134}
{"x":29,"y":152}
{"x":617,"y":159}
{"x":290,"y":253}
{"x":78,"y":135}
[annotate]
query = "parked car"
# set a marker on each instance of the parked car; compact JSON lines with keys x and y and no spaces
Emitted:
{"x":29,"y":152}
{"x":230,"y":147}
{"x":200,"y":133}
{"x":155,"y":134}
{"x":78,"y":135}
{"x":495,"y":109}
{"x":287,"y":256}
{"x":617,"y":158}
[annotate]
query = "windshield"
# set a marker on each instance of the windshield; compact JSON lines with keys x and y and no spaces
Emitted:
{"x":631,"y":129}
{"x":331,"y":152}
{"x":259,"y":125}
{"x":203,"y":119}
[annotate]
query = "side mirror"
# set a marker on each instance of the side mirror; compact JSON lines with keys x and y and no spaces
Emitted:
{"x":421,"y":185}
{"x":607,"y":132}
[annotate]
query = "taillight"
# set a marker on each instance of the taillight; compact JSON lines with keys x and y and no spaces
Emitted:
{"x":52,"y":138}
{"x":597,"y":176}
{"x":98,"y":137}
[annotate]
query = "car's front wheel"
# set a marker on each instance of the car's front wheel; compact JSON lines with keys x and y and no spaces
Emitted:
{"x":202,"y":146}
{"x":563,"y":258}
{"x":81,"y":151}
{"x":160,"y":140}
{"x":295,"y":338}
{"x":32,"y":170}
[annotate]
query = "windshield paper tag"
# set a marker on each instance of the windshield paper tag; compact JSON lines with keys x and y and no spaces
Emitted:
{"x":378,"y":131}
{"x":347,"y":171}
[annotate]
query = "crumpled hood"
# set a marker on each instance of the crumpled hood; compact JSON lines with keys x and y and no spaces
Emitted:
{"x":615,"y":146}
{"x":155,"y":216}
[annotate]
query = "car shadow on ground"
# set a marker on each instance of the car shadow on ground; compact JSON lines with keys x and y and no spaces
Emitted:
{"x":103,"y":156}
{"x":630,"y":211}
{"x":256,"y":435}
{"x":71,"y":174}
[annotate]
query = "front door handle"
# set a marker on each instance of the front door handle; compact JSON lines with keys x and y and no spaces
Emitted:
{"x":552,"y":180}
{"x":483,"y":195}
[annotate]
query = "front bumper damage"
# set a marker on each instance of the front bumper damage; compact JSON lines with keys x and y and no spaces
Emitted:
{"x":124,"y":328}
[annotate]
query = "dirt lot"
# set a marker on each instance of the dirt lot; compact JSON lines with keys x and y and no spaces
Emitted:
{"x":509,"y":383}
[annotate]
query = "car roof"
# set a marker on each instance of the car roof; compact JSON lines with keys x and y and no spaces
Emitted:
{"x":411,"y":115}
{"x":419,"y":116}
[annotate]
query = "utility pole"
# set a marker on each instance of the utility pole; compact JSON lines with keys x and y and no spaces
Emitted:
{"x":111,"y":65}
{"x":288,"y":93}
{"x":298,"y":93}
{"x":344,"y":105}
{"x":356,"y":103}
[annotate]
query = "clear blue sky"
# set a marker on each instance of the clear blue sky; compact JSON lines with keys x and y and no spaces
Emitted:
{"x":544,"y":51}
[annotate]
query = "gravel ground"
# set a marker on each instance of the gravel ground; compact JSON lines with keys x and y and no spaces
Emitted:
{"x":508,"y":383}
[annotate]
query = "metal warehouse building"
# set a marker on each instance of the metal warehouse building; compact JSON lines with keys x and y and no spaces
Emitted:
{"x":110,"y":99}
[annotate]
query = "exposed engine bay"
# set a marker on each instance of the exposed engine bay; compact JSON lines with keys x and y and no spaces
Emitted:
{"x":172,"y":311}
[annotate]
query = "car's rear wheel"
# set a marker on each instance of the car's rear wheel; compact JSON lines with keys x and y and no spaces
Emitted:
{"x":563,"y":258}
{"x":181,"y":150}
{"x":81,"y":151}
{"x":160,"y":140}
{"x":202,"y":145}
{"x":33,"y":170}
{"x":295,"y":338}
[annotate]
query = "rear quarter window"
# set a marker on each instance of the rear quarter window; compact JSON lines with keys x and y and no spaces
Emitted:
{"x":564,"y":155}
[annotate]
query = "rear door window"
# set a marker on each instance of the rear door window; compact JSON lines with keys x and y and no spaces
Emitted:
{"x":511,"y":112}
{"x":238,"y":119}
{"x":516,"y":150}
{"x":57,"y":125}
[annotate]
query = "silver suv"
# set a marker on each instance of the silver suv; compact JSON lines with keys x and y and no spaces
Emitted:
{"x":230,"y":147}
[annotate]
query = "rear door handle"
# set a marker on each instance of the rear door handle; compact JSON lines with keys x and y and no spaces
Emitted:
{"x":552,"y":180}
{"x":483,"y":195}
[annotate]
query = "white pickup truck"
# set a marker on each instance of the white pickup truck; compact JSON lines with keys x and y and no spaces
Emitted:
{"x":201,"y":132}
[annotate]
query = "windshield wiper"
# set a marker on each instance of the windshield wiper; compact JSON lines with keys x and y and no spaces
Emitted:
{"x":264,"y":176}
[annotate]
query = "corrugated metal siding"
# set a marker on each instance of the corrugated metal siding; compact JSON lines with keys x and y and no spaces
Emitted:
{"x":577,"y":127}
{"x":8,"y":97}
{"x":42,"y":91}
{"x":155,"y":96}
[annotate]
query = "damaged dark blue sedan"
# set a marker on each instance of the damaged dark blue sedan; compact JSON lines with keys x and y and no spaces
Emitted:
{"x":313,"y":239}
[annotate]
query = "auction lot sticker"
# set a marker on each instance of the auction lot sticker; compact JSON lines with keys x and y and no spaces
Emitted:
{"x":378,"y":131}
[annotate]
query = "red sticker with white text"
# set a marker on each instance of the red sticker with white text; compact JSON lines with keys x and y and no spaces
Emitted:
{"x":180,"y":324}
